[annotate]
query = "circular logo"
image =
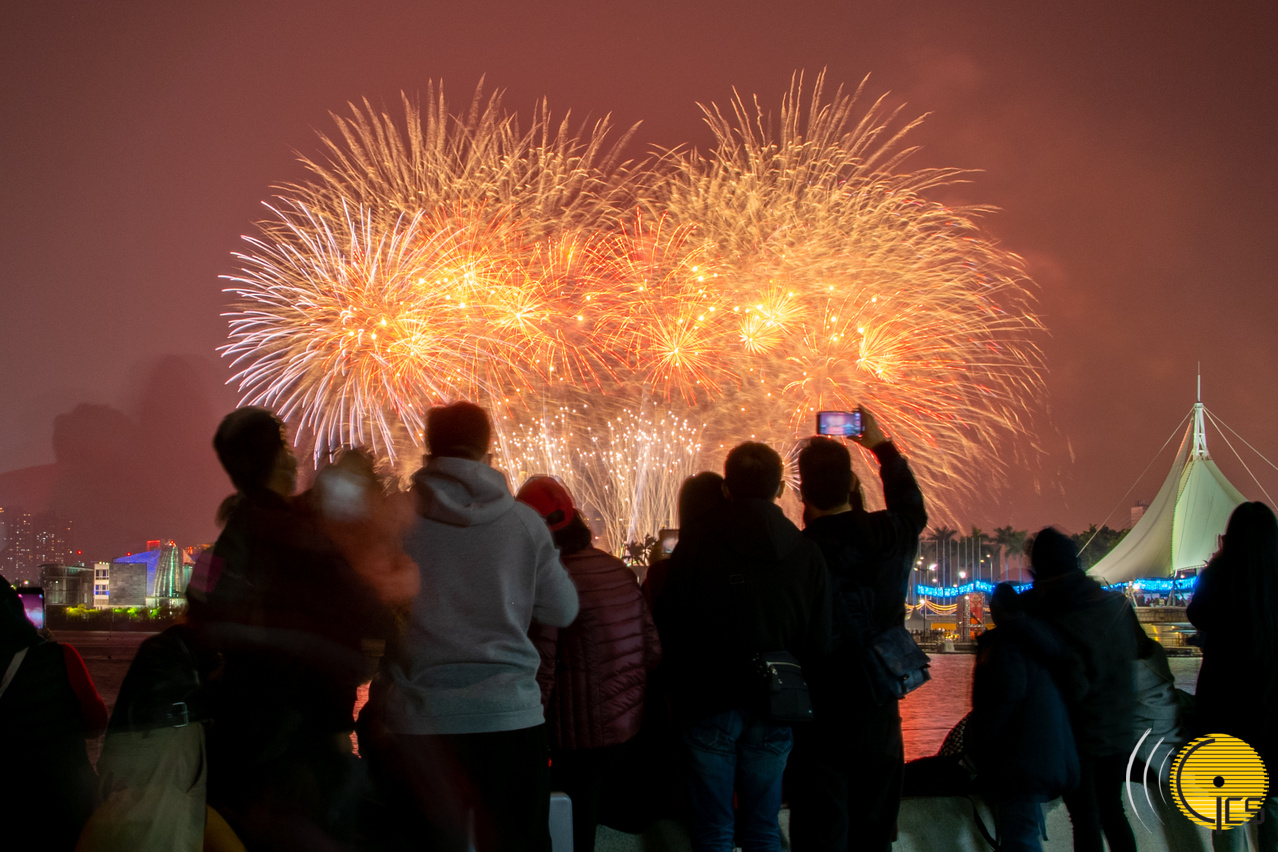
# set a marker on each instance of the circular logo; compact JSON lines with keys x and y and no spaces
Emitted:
{"x":1219,"y":781}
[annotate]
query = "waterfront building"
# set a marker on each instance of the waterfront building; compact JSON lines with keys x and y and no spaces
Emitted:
{"x":67,"y":585}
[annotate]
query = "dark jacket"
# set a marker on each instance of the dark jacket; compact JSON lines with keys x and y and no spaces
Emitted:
{"x":1097,"y":627}
{"x":1019,"y":734}
{"x":749,"y":583}
{"x":1237,"y":693}
{"x":870,"y":555}
{"x":46,"y":781}
{"x":594,"y":672}
{"x":288,"y":615}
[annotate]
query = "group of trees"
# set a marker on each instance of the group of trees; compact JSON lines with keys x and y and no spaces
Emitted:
{"x":947,"y":557}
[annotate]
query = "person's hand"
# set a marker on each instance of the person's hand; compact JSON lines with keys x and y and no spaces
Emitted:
{"x":871,"y":434}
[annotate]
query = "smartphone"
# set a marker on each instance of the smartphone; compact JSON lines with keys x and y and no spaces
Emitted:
{"x":32,"y":598}
{"x":669,"y":538}
{"x":840,"y":424}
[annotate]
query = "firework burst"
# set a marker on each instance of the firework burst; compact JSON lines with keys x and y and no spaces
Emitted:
{"x":794,"y":267}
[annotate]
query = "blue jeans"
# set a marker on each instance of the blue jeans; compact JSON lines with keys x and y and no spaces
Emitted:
{"x":736,"y":750}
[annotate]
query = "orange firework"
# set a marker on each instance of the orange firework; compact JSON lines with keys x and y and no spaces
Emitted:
{"x":794,"y":267}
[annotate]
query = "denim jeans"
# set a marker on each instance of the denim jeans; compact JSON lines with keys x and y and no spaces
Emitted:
{"x":736,"y":751}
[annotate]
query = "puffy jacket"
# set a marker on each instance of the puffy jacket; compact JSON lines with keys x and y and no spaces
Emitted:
{"x":594,"y":672}
{"x":1019,"y":733}
{"x":1098,"y":627}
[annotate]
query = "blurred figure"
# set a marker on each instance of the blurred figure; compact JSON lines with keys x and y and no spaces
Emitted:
{"x":1097,"y":626}
{"x":457,"y":703}
{"x":747,"y":583}
{"x":48,"y":706}
{"x":700,"y":498}
{"x":594,"y":672}
{"x":1235,"y":609}
{"x":154,"y":765}
{"x":368,"y":525}
{"x":1019,"y":737}
{"x":849,"y":763}
{"x":287,"y":614}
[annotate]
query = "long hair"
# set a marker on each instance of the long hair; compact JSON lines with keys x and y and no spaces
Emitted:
{"x":1248,"y":558}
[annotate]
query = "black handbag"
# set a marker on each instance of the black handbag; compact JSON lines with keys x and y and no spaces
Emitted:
{"x":784,"y":696}
{"x":896,"y":665}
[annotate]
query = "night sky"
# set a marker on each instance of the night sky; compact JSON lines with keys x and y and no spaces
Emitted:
{"x":1132,"y":149}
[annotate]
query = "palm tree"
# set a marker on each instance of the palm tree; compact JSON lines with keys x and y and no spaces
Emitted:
{"x":1009,"y":540}
{"x":975,"y":540}
{"x":943,"y":535}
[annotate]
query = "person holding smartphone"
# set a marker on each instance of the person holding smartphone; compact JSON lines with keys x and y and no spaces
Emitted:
{"x":849,"y":763}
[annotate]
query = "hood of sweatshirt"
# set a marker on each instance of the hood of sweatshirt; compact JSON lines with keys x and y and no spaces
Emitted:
{"x":461,"y":492}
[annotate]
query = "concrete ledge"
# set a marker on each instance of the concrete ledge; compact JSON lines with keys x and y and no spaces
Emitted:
{"x":945,"y":824}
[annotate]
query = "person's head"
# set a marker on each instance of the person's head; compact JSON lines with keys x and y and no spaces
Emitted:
{"x":699,"y":497}
{"x":1052,"y":554}
{"x":250,"y":444}
{"x":460,"y":430}
{"x":1249,"y":556}
{"x":826,"y":480}
{"x":16,"y":630}
{"x":1252,"y":531}
{"x":1004,"y":603}
{"x":550,"y":499}
{"x":753,"y":470}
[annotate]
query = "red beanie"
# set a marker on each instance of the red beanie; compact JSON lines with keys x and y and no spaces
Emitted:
{"x":551,"y":500}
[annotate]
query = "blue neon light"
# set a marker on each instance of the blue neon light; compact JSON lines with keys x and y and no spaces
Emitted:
{"x":1185,"y":584}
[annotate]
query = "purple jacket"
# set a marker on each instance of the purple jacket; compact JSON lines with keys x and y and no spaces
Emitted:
{"x":594,"y":672}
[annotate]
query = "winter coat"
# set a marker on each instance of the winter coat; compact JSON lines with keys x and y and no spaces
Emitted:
{"x":594,"y":672}
{"x":1019,"y":734}
{"x":49,"y":708}
{"x":747,"y":583}
{"x":288,"y":614}
{"x":870,"y":556}
{"x":1098,"y":628}
{"x":1237,"y":694}
{"x":465,"y":663}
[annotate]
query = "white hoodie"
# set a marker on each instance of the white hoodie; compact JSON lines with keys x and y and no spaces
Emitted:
{"x":489,"y":567}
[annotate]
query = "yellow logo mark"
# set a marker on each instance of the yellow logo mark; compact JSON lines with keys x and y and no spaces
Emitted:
{"x":1219,"y":781}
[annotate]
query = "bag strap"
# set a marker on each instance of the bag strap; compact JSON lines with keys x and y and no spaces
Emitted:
{"x":980,"y":826}
{"x":12,"y":670}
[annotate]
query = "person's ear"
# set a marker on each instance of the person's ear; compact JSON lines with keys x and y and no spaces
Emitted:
{"x":780,"y":490}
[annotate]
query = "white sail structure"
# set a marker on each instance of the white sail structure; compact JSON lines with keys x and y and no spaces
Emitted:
{"x":1180,"y":529}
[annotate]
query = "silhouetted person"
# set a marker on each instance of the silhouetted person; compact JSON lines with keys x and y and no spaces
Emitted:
{"x":749,"y":583}
{"x":1097,"y":627}
{"x":700,"y":498}
{"x":278,"y":601}
{"x":48,"y":706}
{"x":153,"y":770}
{"x":848,"y":764}
{"x":594,"y":672}
{"x":1235,"y":609}
{"x":1019,"y":736}
{"x":457,"y":698}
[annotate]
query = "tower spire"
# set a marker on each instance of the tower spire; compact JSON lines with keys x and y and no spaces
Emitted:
{"x":1200,"y":432}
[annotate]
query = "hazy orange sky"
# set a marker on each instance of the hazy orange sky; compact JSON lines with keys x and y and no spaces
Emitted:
{"x":1132,"y":148}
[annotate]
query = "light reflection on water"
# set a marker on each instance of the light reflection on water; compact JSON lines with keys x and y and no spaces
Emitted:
{"x":928,"y":713}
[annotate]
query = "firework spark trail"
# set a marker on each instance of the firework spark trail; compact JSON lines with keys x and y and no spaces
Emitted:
{"x":629,"y":472}
{"x":796,"y":266}
{"x":854,"y":288}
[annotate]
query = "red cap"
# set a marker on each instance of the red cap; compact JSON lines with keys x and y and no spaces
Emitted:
{"x":550,"y":499}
